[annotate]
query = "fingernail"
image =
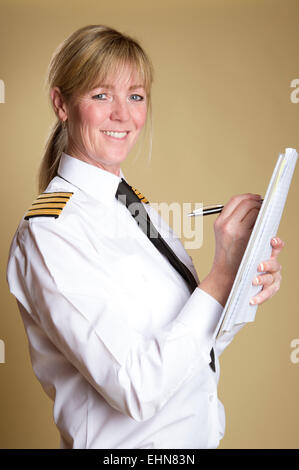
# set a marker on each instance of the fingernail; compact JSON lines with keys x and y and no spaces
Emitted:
{"x":256,"y":280}
{"x":274,"y":241}
{"x":261,"y":267}
{"x":252,"y":302}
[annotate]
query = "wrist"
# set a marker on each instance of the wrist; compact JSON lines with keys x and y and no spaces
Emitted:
{"x":218,"y":285}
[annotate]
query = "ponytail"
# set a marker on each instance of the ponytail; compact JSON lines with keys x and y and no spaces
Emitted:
{"x":55,"y":145}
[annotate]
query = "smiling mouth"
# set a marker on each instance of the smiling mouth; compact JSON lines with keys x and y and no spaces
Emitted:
{"x":116,"y":135}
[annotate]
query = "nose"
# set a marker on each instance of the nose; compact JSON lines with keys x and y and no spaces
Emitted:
{"x":120,"y":110}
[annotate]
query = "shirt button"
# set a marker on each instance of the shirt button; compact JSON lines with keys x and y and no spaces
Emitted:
{"x":211,"y":398}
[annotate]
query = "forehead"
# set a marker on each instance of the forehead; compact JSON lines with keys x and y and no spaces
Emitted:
{"x":123,"y":76}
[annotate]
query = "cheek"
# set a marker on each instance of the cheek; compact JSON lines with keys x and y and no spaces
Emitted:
{"x":90,"y":116}
{"x":140,"y":118}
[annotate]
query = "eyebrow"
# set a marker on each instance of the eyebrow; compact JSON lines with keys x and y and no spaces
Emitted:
{"x":112,"y":87}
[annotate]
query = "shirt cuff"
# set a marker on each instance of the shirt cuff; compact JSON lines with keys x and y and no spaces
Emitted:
{"x":201,"y":314}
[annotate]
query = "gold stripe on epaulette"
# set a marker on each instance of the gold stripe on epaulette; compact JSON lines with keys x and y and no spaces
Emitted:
{"x":43,"y":212}
{"x":51,"y":200}
{"x":141,"y":197}
{"x":48,"y":205}
{"x":47,"y":195}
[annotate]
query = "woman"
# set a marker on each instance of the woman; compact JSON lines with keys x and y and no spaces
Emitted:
{"x":120,"y":331}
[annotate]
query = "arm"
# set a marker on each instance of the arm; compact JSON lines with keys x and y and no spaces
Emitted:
{"x":72,"y":298}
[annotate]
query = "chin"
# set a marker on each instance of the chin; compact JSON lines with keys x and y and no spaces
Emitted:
{"x":112,"y":161}
{"x":117,"y":159}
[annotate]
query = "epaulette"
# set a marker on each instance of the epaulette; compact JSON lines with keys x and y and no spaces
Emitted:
{"x":141,"y":197}
{"x":48,"y":205}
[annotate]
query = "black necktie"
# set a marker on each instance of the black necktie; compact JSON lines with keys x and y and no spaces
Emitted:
{"x":133,"y":199}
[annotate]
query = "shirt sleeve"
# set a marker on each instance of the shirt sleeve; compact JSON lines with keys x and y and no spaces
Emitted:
{"x":55,"y":277}
{"x":226,"y":338}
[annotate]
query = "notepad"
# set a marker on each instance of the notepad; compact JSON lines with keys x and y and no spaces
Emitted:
{"x":237,"y":309}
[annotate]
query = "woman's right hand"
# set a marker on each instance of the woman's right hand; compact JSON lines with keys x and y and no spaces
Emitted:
{"x":232,"y":229}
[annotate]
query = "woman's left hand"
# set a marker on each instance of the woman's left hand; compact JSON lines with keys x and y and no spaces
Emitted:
{"x":271,"y":278}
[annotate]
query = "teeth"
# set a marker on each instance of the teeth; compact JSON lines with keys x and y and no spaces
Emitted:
{"x":118,"y":135}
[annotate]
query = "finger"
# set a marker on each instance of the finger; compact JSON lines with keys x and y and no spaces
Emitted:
{"x":251,"y":216}
{"x":277,"y":245}
{"x":231,"y":205}
{"x":263,"y":280}
{"x":269,"y":290}
{"x":271,"y":265}
{"x":265,"y":294}
{"x":245,"y":213}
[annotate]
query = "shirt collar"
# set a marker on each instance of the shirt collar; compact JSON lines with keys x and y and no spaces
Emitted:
{"x":99,"y":183}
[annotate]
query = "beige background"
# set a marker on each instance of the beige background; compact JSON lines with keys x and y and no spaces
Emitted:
{"x":222,"y":113}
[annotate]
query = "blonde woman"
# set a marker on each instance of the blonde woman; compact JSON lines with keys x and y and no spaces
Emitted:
{"x":119,"y":328}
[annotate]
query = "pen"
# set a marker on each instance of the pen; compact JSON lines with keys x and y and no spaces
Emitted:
{"x":206,"y":210}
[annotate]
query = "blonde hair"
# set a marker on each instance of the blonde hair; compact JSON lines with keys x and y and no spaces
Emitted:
{"x":82,"y":62}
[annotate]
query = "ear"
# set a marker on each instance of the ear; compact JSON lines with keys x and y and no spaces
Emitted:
{"x":59,"y":104}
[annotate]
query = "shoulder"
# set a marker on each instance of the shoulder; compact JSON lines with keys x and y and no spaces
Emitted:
{"x":65,"y":212}
{"x":49,"y":204}
{"x":58,"y":210}
{"x":53,"y":217}
{"x":62,"y":205}
{"x":52,"y":203}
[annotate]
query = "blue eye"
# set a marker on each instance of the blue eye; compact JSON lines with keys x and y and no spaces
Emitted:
{"x":100,"y":96}
{"x":136,"y":98}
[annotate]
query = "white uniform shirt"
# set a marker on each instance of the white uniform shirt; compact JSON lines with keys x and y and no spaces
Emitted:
{"x":115,"y":338}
